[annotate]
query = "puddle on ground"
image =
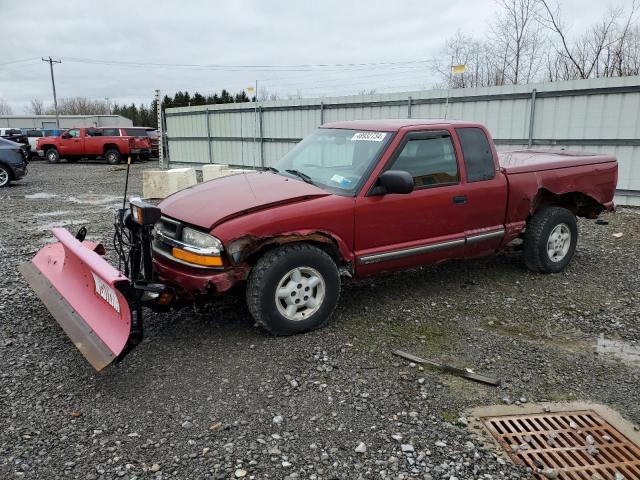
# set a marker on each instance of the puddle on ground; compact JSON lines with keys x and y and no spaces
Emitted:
{"x":625,"y":351}
{"x":55,"y":213}
{"x":93,"y":199}
{"x":40,"y":196}
{"x":59,"y":223}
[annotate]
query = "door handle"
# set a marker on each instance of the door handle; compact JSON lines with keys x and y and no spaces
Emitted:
{"x":460,"y":199}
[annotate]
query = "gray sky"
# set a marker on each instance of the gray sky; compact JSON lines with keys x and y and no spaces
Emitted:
{"x":238,"y":32}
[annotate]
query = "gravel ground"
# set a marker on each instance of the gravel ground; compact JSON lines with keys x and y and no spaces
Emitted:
{"x":207,"y":395}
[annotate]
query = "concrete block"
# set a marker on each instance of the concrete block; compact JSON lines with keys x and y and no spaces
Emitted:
{"x":162,"y":183}
{"x":209,"y":172}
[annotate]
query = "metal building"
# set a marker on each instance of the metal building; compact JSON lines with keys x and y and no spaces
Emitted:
{"x":66,"y":121}
{"x":598,"y":115}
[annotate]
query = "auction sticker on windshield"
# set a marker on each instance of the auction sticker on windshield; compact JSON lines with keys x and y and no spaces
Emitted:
{"x":368,"y":136}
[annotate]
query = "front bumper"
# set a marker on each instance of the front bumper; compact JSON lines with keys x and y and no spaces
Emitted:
{"x":19,"y":172}
{"x":196,"y":281}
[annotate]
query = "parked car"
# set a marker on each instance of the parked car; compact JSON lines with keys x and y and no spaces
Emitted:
{"x":13,"y":162}
{"x":144,"y":145}
{"x":33,"y":135}
{"x":16,"y":135}
{"x":77,"y":143}
{"x":353,"y":199}
{"x":9,"y":131}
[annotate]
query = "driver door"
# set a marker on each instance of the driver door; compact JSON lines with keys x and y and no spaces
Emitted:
{"x":397,"y":231}
{"x":71,"y":145}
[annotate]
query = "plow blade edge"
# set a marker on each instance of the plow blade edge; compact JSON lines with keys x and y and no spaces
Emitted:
{"x":79,"y":288}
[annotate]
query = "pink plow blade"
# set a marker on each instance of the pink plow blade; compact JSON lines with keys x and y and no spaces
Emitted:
{"x":80,"y":290}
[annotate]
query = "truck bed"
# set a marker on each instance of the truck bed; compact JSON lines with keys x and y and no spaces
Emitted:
{"x":522,"y":161}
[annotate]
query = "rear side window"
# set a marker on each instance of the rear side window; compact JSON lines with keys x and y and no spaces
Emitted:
{"x":110,"y":132}
{"x":478,"y":157}
{"x":136,"y":132}
{"x":34,"y":133}
{"x":430,"y":161}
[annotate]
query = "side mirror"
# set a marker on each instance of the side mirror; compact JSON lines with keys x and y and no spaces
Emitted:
{"x":396,"y":181}
{"x":65,"y":135}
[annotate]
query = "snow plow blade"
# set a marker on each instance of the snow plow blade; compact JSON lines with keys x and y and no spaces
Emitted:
{"x":80,"y":290}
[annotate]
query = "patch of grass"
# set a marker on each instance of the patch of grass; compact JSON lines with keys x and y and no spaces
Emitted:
{"x":375,"y":335}
{"x":450,"y":416}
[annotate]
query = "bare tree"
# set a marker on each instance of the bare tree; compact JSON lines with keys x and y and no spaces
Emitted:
{"x":480,"y":69}
{"x":608,"y":48}
{"x":516,"y":40}
{"x":5,"y":108}
{"x":529,"y":41}
{"x":265,"y":94}
{"x":35,"y":106}
{"x":80,"y":106}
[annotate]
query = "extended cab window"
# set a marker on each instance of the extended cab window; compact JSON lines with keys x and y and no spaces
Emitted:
{"x":430,"y":161}
{"x":110,"y":132}
{"x":478,"y":157}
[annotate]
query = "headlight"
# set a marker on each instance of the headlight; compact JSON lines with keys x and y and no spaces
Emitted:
{"x":201,"y":240}
{"x":144,"y":213}
{"x":198,"y":248}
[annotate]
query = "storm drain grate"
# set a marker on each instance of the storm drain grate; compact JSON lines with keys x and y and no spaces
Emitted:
{"x":579,"y":445}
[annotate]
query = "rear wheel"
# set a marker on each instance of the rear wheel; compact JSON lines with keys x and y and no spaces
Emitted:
{"x":550,"y":240}
{"x":293,"y":289}
{"x":52,"y":155}
{"x":5,"y":176}
{"x":113,"y":156}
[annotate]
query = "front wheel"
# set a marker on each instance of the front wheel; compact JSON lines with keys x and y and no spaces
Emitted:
{"x":52,"y":155}
{"x":550,"y":240}
{"x":5,"y":176}
{"x":293,"y":289}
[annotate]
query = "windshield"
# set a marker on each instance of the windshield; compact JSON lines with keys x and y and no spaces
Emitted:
{"x":335,"y":159}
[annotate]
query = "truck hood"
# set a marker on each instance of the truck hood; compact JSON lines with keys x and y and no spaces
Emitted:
{"x":211,"y":203}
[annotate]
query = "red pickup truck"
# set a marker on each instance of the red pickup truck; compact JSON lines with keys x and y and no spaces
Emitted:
{"x":351,"y":200}
{"x":111,"y":143}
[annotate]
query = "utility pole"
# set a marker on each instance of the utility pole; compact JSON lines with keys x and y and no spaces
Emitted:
{"x":50,"y":61}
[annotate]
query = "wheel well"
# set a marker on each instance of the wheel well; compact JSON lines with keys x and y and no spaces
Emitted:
{"x":110,"y":146}
{"x":248,"y":251}
{"x":580,"y":204}
{"x":48,"y":146}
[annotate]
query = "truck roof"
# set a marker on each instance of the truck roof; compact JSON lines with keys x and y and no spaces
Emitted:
{"x":394,"y":124}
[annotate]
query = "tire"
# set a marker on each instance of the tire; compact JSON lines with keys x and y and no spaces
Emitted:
{"x":550,"y":240}
{"x":113,"y":156}
{"x":276,"y":271}
{"x":5,"y":176}
{"x":52,"y":155}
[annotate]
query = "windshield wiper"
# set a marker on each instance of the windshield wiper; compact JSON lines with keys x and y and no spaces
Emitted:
{"x":271,"y":169}
{"x":303,"y":176}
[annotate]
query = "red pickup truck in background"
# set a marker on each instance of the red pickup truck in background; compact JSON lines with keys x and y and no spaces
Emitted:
{"x":352,"y":199}
{"x":111,"y":143}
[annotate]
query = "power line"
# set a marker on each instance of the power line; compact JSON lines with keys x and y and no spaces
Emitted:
{"x":229,"y":67}
{"x":19,"y":61}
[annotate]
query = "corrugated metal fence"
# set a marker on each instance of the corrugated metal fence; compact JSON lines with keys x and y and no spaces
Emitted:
{"x":599,"y":115}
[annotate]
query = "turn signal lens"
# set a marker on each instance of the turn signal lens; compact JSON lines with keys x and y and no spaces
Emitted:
{"x":136,"y":211}
{"x":204,"y":260}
